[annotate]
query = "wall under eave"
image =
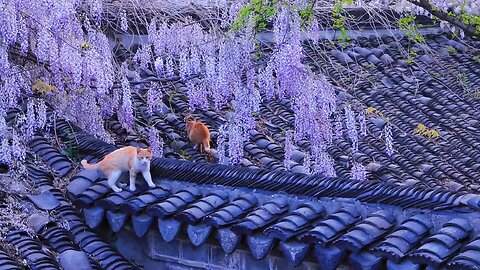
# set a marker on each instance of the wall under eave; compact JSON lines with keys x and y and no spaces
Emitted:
{"x":154,"y":253}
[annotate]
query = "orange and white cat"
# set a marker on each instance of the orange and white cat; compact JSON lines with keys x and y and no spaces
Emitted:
{"x":199,"y":134}
{"x":127,"y":159}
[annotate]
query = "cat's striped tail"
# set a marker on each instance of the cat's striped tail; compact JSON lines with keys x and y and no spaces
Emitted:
{"x":89,"y":166}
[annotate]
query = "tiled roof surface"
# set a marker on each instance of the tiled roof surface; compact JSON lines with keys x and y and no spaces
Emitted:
{"x":61,"y":240}
{"x":427,"y":92}
{"x":295,"y":221}
{"x":297,"y":227}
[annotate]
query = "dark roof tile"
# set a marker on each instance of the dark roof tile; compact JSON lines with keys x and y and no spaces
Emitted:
{"x":436,"y":249}
{"x":469,"y":256}
{"x":114,"y":199}
{"x":365,"y":260}
{"x":32,"y":251}
{"x":45,"y":200}
{"x":260,"y":245}
{"x":141,"y":224}
{"x":329,"y":258}
{"x":198,"y":210}
{"x":139,"y":203}
{"x":404,"y":238}
{"x":294,"y":252}
{"x":174,"y":203}
{"x":73,"y":260}
{"x":7,"y":263}
{"x":93,"y":216}
{"x":265,"y":215}
{"x":238,"y":208}
{"x":92,"y":194}
{"x":168,"y":228}
{"x":116,"y":220}
{"x":332,"y":227}
{"x":367,"y":231}
{"x":198,"y":234}
{"x":228,"y":240}
{"x":296,"y":221}
{"x":404,"y":265}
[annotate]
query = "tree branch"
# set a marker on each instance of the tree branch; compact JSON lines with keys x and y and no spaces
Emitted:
{"x":467,"y":29}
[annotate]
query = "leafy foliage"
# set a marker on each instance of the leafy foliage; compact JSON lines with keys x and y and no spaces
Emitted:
{"x":408,"y":25}
{"x":421,"y":129}
{"x":257,"y":13}
{"x":339,"y":21}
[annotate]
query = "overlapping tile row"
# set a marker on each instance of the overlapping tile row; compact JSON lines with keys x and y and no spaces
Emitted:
{"x":87,"y":240}
{"x":327,"y":230}
{"x":32,"y":251}
{"x":296,"y":221}
{"x":438,"y":248}
{"x":307,"y":185}
{"x":468,"y":257}
{"x":8,"y":263}
{"x":407,"y":236}
{"x":69,"y":253}
{"x":367,"y":231}
{"x":165,"y":206}
{"x":51,"y":155}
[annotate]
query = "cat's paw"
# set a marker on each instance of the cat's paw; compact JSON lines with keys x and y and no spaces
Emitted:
{"x":116,"y":189}
{"x":132,"y":189}
{"x":151,"y":185}
{"x":122,"y":184}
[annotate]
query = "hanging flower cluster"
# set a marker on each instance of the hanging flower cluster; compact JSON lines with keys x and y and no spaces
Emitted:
{"x":155,"y":141}
{"x":387,"y":131}
{"x":288,"y":150}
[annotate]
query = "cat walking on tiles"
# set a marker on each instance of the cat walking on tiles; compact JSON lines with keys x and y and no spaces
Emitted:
{"x":199,"y":134}
{"x":127,"y":159}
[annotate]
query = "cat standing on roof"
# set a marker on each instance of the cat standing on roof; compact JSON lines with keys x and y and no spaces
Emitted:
{"x":199,"y":134}
{"x":127,"y":159}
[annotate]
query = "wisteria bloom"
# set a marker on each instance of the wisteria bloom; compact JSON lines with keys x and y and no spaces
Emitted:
{"x":155,"y":141}
{"x":307,"y":163}
{"x":288,"y":150}
{"x":123,"y":21}
{"x":126,"y":112}
{"x":154,"y":97}
{"x":351,"y":128}
{"x":387,"y":131}
{"x":222,"y":144}
{"x":358,"y":172}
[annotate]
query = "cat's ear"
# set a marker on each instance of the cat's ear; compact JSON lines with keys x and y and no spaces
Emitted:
{"x":138,"y":149}
{"x":149,"y":149}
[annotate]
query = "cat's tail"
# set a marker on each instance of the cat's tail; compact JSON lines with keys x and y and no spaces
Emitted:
{"x":207,"y":149}
{"x":89,"y":166}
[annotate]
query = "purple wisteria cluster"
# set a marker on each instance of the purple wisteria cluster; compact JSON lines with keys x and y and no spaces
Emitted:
{"x":155,"y":141}
{"x":221,"y":72}
{"x":74,"y":55}
{"x":288,"y":150}
{"x":154,"y":97}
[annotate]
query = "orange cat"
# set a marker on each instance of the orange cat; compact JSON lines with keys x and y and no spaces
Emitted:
{"x":127,"y":159}
{"x":199,"y":134}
